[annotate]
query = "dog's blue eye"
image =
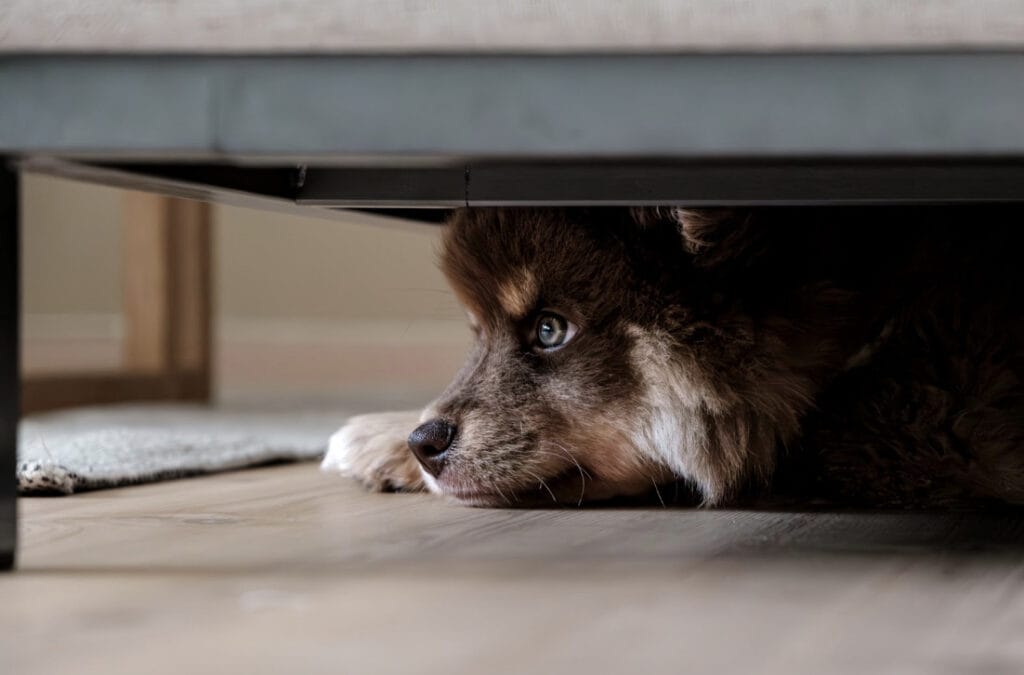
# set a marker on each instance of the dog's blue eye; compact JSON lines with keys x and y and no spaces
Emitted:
{"x":553,"y":330}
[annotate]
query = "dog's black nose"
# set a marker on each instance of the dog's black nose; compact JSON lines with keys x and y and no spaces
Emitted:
{"x":429,"y":442}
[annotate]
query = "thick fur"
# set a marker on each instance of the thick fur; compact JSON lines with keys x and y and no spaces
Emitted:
{"x":859,"y":355}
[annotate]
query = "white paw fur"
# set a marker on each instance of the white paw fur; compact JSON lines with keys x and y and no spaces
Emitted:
{"x":373,"y":450}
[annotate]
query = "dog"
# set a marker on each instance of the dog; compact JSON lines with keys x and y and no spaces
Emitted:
{"x":863,"y":355}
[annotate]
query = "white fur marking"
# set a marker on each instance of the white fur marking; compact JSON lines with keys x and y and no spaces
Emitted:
{"x":339,"y":451}
{"x":672,"y":430}
{"x":373,"y":449}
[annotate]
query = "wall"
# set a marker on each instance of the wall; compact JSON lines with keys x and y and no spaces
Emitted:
{"x":301,"y":303}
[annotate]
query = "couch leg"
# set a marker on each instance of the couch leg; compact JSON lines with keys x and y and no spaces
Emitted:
{"x":9,"y":359}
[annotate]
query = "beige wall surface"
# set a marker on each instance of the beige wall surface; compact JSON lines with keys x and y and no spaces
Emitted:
{"x":273,"y":265}
{"x":268,"y":265}
{"x":300,"y":302}
{"x":70,"y":248}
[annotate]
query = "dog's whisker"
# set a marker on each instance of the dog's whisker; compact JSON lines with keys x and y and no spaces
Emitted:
{"x":657,"y":491}
{"x":543,"y":484}
{"x":493,"y":484}
{"x":572,"y":457}
{"x":583,"y":474}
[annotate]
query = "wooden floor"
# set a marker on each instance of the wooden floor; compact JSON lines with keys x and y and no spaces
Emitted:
{"x":284,"y":570}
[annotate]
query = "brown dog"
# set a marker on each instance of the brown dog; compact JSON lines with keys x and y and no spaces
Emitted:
{"x":862,"y":355}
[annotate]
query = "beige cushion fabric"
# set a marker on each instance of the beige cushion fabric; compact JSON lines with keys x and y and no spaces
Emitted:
{"x":501,"y":26}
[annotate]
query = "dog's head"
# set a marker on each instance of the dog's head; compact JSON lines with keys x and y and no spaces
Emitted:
{"x":615,"y":351}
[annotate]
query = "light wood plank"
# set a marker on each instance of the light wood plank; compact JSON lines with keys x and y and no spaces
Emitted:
{"x":191,"y":285}
{"x":287,"y":570}
{"x":167,"y":284}
{"x":147,"y":259}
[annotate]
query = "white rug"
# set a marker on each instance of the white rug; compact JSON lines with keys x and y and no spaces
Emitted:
{"x":90,"y":448}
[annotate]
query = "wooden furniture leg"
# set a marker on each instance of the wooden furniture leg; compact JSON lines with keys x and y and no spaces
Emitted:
{"x":167,"y":291}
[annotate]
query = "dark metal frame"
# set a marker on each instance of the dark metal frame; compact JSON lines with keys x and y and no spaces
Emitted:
{"x":420,"y":192}
{"x":9,"y":359}
{"x":691,"y":183}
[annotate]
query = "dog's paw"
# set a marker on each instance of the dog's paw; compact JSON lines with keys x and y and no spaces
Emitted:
{"x":373,"y":449}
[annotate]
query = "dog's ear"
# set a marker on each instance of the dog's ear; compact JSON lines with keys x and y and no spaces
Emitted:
{"x":712,"y":236}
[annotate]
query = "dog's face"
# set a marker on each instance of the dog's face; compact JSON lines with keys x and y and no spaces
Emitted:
{"x":606,"y":363}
